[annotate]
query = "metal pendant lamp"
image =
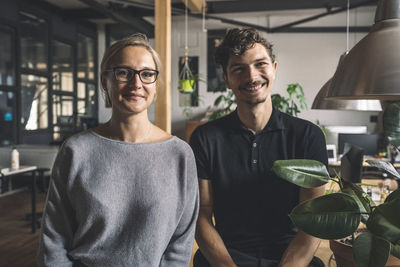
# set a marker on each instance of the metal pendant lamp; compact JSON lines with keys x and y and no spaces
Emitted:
{"x":321,"y":102}
{"x":371,"y":70}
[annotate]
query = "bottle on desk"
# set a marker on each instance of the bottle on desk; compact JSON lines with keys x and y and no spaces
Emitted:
{"x":14,"y":159}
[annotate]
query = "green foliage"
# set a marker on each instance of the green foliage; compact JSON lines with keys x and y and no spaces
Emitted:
{"x":338,"y":215}
{"x":384,"y":221}
{"x":329,"y":217}
{"x":385,"y":166}
{"x":294,"y":103}
{"x":227,"y":100}
{"x":394,"y":195}
{"x":370,"y":251}
{"x":391,"y":124}
{"x":299,"y":171}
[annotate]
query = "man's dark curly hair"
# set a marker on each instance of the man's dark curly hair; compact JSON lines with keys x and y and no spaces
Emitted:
{"x":236,"y":42}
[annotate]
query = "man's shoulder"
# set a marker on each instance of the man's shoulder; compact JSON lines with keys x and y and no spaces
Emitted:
{"x":211,"y":128}
{"x":294,"y":123}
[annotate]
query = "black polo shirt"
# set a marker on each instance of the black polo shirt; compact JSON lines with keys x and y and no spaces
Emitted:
{"x":251,"y":204}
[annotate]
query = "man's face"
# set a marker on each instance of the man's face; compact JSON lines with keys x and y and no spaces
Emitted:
{"x":251,"y":75}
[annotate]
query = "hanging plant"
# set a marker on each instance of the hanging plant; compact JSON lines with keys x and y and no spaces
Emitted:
{"x":186,"y":78}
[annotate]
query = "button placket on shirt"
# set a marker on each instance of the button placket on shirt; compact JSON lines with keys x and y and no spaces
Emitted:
{"x":254,"y":153}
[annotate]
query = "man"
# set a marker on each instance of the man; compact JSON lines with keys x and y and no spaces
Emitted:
{"x":234,"y":157}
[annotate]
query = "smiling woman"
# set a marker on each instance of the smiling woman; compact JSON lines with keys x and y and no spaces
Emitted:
{"x":114,"y":200}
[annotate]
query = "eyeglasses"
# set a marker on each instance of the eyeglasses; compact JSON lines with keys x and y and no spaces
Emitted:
{"x":125,"y":74}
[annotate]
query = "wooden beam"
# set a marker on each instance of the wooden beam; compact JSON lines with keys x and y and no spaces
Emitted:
{"x":195,"y":6}
{"x":162,"y":33}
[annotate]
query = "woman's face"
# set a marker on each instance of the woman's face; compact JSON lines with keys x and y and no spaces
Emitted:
{"x":133,"y":96}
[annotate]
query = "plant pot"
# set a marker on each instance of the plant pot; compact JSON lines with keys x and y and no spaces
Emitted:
{"x":344,"y":255}
{"x":186,"y":86}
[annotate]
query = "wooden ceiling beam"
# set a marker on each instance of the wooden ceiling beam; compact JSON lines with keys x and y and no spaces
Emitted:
{"x":195,"y":6}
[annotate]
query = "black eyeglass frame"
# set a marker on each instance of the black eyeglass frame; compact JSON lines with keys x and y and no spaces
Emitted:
{"x":134,"y":73}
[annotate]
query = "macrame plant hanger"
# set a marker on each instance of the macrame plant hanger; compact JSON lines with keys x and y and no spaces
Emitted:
{"x":186,"y":78}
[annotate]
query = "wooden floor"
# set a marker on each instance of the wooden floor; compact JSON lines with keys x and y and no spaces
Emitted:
{"x":18,"y":246}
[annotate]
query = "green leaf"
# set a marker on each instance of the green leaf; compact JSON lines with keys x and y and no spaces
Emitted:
{"x":331,"y":216}
{"x":391,"y":124}
{"x":218,"y":100}
{"x":302,"y":172}
{"x":370,"y":251}
{"x":395,"y":250}
{"x":363,"y":200}
{"x":384,"y":221}
{"x":394,"y":195}
{"x":385,"y":166}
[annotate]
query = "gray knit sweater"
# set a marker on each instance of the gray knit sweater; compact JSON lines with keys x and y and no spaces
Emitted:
{"x":113,"y":203}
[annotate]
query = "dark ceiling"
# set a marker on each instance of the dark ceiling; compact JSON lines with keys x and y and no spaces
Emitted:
{"x":131,"y":13}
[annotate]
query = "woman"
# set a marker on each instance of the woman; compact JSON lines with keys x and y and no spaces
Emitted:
{"x":124,"y":193}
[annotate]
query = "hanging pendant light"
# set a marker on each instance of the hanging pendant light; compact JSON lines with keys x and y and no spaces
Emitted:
{"x":186,"y":78}
{"x":371,"y":70}
{"x":321,"y":102}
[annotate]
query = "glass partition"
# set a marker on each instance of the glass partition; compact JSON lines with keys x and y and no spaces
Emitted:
{"x":33,"y":43}
{"x":7,"y":65}
{"x":62,"y":58}
{"x":86,"y":56}
{"x":7,"y":118}
{"x":34,"y":101}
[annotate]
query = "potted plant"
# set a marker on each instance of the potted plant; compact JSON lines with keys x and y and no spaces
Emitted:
{"x":292,"y":104}
{"x":338,"y":215}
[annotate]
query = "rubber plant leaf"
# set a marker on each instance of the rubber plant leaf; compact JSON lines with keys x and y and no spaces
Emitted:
{"x":391,"y":124}
{"x":304,"y":173}
{"x":394,"y":195}
{"x":363,"y":200}
{"x":370,"y":251}
{"x":384,"y":221}
{"x":395,"y":250}
{"x":385,"y":166}
{"x":332,"y":216}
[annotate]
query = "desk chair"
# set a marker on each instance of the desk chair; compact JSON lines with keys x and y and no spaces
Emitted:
{"x":352,"y":163}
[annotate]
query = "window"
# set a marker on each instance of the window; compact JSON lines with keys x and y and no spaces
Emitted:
{"x":7,"y":65}
{"x":8,"y":114}
{"x":86,"y":55}
{"x":62,"y":57}
{"x":7,"y":118}
{"x":34,"y":102}
{"x":86,"y":87}
{"x":33,"y":38}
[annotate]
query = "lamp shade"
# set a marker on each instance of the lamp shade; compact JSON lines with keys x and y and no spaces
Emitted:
{"x":321,"y":102}
{"x":371,"y":70}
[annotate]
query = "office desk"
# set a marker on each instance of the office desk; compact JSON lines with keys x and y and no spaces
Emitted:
{"x":365,"y":164}
{"x":34,"y":171}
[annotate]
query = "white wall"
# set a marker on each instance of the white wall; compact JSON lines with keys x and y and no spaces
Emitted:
{"x":307,"y":58}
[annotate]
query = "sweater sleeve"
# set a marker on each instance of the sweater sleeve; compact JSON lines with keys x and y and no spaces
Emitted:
{"x":179,"y":249}
{"x":58,"y":219}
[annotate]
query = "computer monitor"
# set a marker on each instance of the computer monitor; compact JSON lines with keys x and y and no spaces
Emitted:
{"x":368,"y":142}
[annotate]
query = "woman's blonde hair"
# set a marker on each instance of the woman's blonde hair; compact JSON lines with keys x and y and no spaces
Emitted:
{"x":137,"y":39}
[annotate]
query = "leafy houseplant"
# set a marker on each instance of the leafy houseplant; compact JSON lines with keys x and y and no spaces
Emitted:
{"x":292,"y":104}
{"x":338,"y":215}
